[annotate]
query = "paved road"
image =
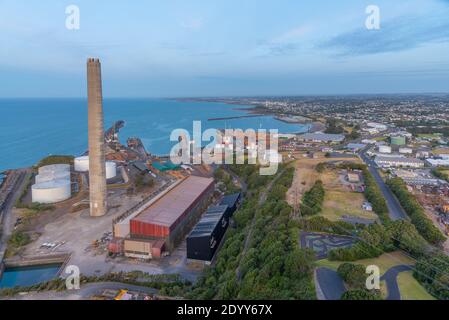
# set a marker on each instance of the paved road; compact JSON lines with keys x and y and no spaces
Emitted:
{"x":395,"y":210}
{"x":85,"y":292}
{"x":330,"y":283}
{"x":7,"y":219}
{"x":390,"y":278}
{"x":321,"y":243}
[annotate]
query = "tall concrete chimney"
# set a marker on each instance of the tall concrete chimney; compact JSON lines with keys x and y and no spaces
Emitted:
{"x":97,"y":168}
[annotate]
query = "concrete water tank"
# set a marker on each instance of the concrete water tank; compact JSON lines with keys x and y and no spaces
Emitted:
{"x":54,"y":168}
{"x":82,"y":164}
{"x":384,"y":149}
{"x":51,"y":191}
{"x":111,"y":169}
{"x":52,"y":175}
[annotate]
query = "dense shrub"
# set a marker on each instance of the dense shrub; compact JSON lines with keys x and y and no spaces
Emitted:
{"x":56,"y":159}
{"x":372,"y":191}
{"x":377,"y":239}
{"x":312,"y":199}
{"x":353,"y":275}
{"x":361,"y":295}
{"x":416,"y":213}
{"x":273,"y":266}
{"x":321,"y":224}
{"x":432,"y":272}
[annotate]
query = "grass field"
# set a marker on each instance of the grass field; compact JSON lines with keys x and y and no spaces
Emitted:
{"x":440,"y":151}
{"x":339,"y":203}
{"x":340,"y":200}
{"x":409,"y":287}
{"x":430,"y":135}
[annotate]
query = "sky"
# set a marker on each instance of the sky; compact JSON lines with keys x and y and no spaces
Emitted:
{"x":169,"y":48}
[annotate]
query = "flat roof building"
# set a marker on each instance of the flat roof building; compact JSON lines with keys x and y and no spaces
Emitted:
{"x":387,"y":162}
{"x":203,"y":241}
{"x":322,"y":137}
{"x":166,"y":217}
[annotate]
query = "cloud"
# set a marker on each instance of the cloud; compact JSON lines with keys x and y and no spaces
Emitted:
{"x":285,"y":44}
{"x":399,"y":34}
{"x":192,"y":24}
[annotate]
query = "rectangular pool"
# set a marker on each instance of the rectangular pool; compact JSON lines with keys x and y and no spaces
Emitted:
{"x":27,"y":276}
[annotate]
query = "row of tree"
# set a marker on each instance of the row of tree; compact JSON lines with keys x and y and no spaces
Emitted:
{"x":272,"y":266}
{"x":312,"y":200}
{"x":376,"y":239}
{"x":354,"y":276}
{"x":372,"y":191}
{"x":415,"y":211}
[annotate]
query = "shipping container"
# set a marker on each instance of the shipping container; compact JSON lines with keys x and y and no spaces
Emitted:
{"x":116,"y":246}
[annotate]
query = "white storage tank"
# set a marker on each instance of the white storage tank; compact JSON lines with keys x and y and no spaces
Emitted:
{"x":52,"y":175}
{"x":384,"y":149}
{"x":111,"y":169}
{"x":52,"y":168}
{"x":82,"y":164}
{"x":406,"y":150}
{"x":51,"y":191}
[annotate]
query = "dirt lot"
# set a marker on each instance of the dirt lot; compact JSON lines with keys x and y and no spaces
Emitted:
{"x":76,"y":234}
{"x":339,"y":199}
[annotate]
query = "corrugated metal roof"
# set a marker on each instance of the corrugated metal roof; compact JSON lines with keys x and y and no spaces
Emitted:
{"x":217,"y":209}
{"x":169,"y":208}
{"x":230,"y":200}
{"x":206,"y":225}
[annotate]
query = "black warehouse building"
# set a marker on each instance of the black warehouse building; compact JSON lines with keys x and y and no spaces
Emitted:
{"x":203,"y":241}
{"x":232,"y":201}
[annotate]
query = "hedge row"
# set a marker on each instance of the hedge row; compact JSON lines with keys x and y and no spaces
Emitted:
{"x":416,"y":213}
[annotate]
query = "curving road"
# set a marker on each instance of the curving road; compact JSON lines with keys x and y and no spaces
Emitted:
{"x":85,"y":292}
{"x":329,"y":284}
{"x":391,"y":277}
{"x":394,"y":208}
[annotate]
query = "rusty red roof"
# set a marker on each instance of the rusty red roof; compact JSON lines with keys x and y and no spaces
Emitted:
{"x":167,"y":210}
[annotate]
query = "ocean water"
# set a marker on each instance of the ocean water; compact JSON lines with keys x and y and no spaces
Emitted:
{"x":34,"y":128}
{"x":27,"y":276}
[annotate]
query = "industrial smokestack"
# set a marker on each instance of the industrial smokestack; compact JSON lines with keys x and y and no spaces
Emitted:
{"x":97,"y":169}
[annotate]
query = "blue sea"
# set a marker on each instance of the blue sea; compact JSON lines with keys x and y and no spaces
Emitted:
{"x":34,"y":128}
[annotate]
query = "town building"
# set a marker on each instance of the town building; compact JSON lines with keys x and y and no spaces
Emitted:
{"x":322,"y":137}
{"x":387,"y":162}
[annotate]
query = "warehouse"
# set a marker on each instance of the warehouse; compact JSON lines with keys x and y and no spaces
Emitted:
{"x":203,"y":241}
{"x":169,"y":218}
{"x":143,"y":249}
{"x":322,"y":137}
{"x":232,"y":201}
{"x":386,"y":162}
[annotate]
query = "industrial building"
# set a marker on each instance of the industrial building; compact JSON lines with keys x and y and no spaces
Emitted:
{"x":203,"y":241}
{"x":322,"y":137}
{"x":143,"y":249}
{"x":384,"y":149}
{"x":172,"y":215}
{"x":232,"y":201}
{"x":378,"y":126}
{"x":438,"y":162}
{"x":405,"y":150}
{"x":398,"y":140}
{"x":386,"y":162}
{"x":82,"y":165}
